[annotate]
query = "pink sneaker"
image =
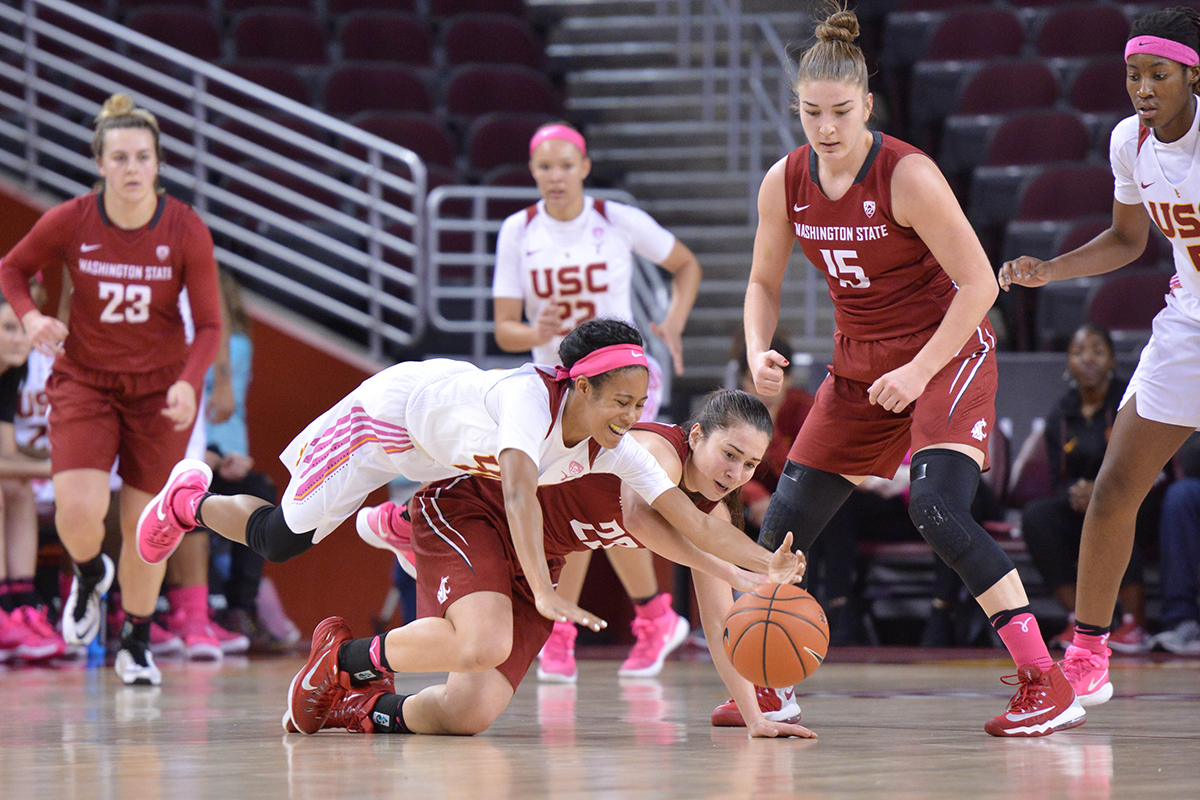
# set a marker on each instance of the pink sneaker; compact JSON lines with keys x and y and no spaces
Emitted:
{"x":1088,"y":675}
{"x":199,"y":641}
{"x":777,"y":705}
{"x":387,"y":527}
{"x":231,"y":642}
{"x":659,"y":631}
{"x":33,"y":637}
{"x":164,"y":520}
{"x":271,"y":614}
{"x":556,"y":662}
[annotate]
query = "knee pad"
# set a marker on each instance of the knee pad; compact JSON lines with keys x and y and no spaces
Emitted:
{"x":268,"y":534}
{"x":804,"y":501}
{"x":943,"y":487}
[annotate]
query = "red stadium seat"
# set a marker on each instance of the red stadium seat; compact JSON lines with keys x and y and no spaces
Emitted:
{"x":424,"y":134}
{"x":1099,"y":87}
{"x":475,"y":90}
{"x":1004,"y":86}
{"x":186,"y":29}
{"x":386,"y":36}
{"x":353,"y":88}
{"x":278,"y":76}
{"x":1039,"y":138}
{"x":497,"y":140}
{"x":491,"y":39}
{"x":1083,"y":30}
{"x":339,"y":7}
{"x":1128,"y":299}
{"x":975,"y":34}
{"x":237,"y":6}
{"x":286,"y":35}
{"x":1080,"y":233}
{"x":254,"y":134}
{"x":1067,"y":192}
{"x":449,"y":8}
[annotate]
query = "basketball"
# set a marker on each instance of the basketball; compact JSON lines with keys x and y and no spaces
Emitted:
{"x":776,"y":635}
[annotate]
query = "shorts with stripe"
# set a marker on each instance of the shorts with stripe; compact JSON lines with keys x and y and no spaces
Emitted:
{"x":359,"y":445}
{"x":845,"y":434}
{"x":462,"y":545}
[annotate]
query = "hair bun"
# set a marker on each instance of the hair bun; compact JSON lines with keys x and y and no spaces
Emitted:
{"x":841,"y":26}
{"x":119,"y":105}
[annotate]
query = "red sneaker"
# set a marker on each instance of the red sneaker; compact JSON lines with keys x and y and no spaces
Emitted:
{"x":353,"y":711}
{"x":387,"y":527}
{"x":318,"y":685}
{"x":777,"y":705}
{"x":160,"y":529}
{"x":1044,"y":703}
{"x":1130,"y":636}
{"x":1088,"y":674}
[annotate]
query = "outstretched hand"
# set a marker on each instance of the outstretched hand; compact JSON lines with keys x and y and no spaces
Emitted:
{"x":551,"y":606}
{"x":786,"y":566}
{"x":1023,"y":271}
{"x":763,"y":728}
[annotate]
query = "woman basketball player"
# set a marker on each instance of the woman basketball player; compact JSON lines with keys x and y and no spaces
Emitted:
{"x":913,"y":361}
{"x":124,"y":382}
{"x":564,"y":260}
{"x":478,"y":621}
{"x":1153,"y":154}
{"x":436,"y":419}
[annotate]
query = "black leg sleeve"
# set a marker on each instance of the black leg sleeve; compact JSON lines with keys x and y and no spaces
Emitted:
{"x":804,"y":501}
{"x":268,"y":535}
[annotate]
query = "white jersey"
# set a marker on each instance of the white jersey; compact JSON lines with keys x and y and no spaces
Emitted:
{"x":435,"y":419}
{"x":1166,"y":179}
{"x":584,"y":265}
{"x":30,"y":425}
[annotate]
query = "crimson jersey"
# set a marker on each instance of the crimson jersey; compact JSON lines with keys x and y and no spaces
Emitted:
{"x":125,"y":314}
{"x":884,"y":282}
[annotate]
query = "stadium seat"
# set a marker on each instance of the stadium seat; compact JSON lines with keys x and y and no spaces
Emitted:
{"x":442,"y":9}
{"x":1128,"y":299}
{"x":1067,"y":192}
{"x":188,"y":29}
{"x":287,"y":35}
{"x":339,"y":7}
{"x":254,"y":134}
{"x":491,"y":39}
{"x":497,"y":140}
{"x":1099,"y":87}
{"x":424,"y":134}
{"x":386,"y":36}
{"x":237,"y":6}
{"x":997,"y":87}
{"x":278,"y":76}
{"x":1083,"y":29}
{"x":353,"y":88}
{"x":475,"y":90}
{"x":1031,"y":137}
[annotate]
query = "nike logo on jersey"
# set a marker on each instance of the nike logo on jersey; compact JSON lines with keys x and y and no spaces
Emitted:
{"x":1146,"y":185}
{"x":531,"y":252}
{"x":798,"y":209}
{"x":87,"y":248}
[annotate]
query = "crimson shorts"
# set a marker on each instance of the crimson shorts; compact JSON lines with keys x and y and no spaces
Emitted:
{"x":96,"y":416}
{"x":462,"y":545}
{"x":845,"y":434}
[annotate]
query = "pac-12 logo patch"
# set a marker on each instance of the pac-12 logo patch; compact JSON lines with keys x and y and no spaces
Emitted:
{"x":869,"y":207}
{"x":162,"y":251}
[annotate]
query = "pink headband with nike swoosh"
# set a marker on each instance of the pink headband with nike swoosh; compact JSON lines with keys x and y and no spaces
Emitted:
{"x":558,"y":132}
{"x":607,"y":358}
{"x":1158,"y":46}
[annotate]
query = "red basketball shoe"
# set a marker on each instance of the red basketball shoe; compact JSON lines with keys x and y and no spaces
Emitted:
{"x":353,"y":711}
{"x":319,"y":686}
{"x":1044,"y":703}
{"x":777,"y":705}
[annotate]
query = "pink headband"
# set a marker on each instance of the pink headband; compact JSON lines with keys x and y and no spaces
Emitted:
{"x":558,"y":132}
{"x":608,"y":358}
{"x":1158,"y":46}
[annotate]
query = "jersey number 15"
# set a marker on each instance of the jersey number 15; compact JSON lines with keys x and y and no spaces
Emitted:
{"x":850,"y":276}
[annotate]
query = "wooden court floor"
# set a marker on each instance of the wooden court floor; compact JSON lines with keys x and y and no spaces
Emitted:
{"x":887,"y":730}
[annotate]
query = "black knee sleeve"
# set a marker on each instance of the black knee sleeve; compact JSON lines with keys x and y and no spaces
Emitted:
{"x":944,"y":483}
{"x":268,"y":534}
{"x":804,"y":501}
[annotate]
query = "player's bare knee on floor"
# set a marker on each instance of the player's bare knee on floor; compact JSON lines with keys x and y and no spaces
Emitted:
{"x":481,"y":655}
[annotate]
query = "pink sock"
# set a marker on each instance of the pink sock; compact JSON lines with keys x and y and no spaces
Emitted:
{"x":1091,"y":642}
{"x":192,"y":598}
{"x":1024,"y":642}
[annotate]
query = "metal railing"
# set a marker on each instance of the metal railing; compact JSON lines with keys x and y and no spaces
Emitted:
{"x":460,"y":290}
{"x":316,"y":213}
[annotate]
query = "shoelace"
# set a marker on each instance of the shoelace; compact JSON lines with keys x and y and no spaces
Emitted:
{"x":1028,"y":696}
{"x":1079,"y":660}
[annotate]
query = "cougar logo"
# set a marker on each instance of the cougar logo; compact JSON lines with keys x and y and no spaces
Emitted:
{"x":443,"y":589}
{"x":978,"y":433}
{"x":869,"y":207}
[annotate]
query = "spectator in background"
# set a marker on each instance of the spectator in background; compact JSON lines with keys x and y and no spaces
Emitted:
{"x":25,"y":629}
{"x":236,"y":570}
{"x":1179,"y":549}
{"x":1077,"y":433}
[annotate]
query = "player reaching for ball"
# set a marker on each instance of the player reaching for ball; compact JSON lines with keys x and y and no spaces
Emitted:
{"x":1153,"y":158}
{"x":477,"y":616}
{"x":913,"y":363}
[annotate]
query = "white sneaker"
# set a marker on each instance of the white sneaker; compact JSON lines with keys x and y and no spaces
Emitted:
{"x":135,"y":673}
{"x":1183,"y":639}
{"x":81,"y":623}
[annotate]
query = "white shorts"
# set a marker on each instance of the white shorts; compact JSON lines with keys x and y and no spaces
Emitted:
{"x":1167,"y":378}
{"x":359,"y":445}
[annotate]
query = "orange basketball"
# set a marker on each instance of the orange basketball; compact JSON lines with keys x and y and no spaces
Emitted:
{"x":776,"y":635}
